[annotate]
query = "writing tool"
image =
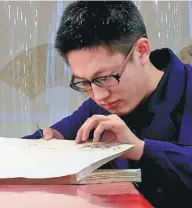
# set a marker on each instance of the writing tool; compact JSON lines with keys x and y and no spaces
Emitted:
{"x":40,"y":131}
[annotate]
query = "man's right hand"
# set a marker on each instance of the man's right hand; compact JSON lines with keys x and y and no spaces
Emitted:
{"x":49,"y":133}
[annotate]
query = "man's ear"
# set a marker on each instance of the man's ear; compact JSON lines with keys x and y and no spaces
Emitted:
{"x":143,"y":49}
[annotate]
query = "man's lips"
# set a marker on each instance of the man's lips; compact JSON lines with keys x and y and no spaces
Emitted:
{"x":110,"y":105}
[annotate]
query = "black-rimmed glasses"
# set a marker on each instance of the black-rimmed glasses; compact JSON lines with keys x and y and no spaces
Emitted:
{"x":104,"y":81}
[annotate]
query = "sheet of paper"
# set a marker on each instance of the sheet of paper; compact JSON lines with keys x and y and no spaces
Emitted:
{"x":54,"y":158}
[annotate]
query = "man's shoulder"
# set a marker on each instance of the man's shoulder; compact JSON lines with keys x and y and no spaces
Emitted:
{"x":188,"y":68}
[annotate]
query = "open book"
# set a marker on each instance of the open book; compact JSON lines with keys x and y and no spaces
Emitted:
{"x":43,"y":159}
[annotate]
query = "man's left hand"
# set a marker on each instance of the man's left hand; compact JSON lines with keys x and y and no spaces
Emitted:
{"x":115,"y":130}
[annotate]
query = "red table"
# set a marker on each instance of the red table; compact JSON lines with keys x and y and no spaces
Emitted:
{"x":113,"y":195}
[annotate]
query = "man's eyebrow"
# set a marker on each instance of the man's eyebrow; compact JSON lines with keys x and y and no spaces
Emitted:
{"x":101,"y":70}
{"x":78,"y":77}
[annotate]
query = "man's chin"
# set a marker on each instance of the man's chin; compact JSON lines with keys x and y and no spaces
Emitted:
{"x":116,"y":111}
{"x":119,"y":112}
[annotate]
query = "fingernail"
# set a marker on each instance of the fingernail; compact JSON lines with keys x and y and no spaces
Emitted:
{"x":77,"y":139}
{"x":84,"y":139}
{"x":47,"y":136}
{"x":95,"y":140}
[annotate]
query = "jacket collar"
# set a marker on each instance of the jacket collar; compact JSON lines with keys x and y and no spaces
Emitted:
{"x":167,"y":96}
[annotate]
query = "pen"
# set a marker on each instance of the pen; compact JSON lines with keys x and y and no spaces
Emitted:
{"x":40,"y":131}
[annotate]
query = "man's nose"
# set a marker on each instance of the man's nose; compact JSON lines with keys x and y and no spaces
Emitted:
{"x":100,"y":93}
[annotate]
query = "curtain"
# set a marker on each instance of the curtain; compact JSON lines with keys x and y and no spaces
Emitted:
{"x":34,"y":80}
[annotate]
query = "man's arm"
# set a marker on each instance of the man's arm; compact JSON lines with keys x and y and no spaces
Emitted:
{"x":68,"y":126}
{"x":170,"y":160}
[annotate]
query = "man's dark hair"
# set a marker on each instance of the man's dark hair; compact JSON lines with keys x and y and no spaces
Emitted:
{"x":86,"y":24}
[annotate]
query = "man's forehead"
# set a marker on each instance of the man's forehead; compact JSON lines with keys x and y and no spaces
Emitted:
{"x":88,"y":64}
{"x":89,"y":74}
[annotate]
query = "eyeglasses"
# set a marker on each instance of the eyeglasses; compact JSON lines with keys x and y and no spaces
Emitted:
{"x":104,"y":81}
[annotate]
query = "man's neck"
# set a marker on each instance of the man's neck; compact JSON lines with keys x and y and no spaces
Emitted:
{"x":154,"y":79}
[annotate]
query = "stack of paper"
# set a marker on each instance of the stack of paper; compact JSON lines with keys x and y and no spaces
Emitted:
{"x":112,"y":176}
{"x":42,"y":159}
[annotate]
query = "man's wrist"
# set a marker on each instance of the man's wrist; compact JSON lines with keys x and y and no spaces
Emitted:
{"x":139,"y":149}
{"x":136,"y":152}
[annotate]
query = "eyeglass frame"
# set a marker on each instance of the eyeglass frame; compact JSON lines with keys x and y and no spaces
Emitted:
{"x":117,"y":76}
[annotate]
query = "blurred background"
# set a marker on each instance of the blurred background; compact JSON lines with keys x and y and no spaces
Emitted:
{"x":33,"y":77}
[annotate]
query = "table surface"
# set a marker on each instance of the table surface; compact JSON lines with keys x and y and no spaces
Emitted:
{"x":118,"y":195}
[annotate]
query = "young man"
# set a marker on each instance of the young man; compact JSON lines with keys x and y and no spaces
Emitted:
{"x":136,"y":96}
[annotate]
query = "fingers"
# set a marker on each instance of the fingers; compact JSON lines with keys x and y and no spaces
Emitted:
{"x":79,"y":136}
{"x":98,"y":122}
{"x":87,"y":129}
{"x":84,"y":131}
{"x":90,"y":124}
{"x":101,"y":127}
{"x":48,"y":133}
